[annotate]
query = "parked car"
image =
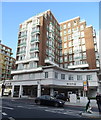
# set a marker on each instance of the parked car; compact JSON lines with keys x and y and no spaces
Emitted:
{"x":49,"y":100}
{"x":61,"y":97}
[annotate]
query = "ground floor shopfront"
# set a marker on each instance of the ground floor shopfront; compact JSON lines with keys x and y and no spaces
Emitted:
{"x":34,"y":91}
{"x":53,"y":80}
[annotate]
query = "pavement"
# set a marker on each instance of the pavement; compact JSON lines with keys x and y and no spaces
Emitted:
{"x":94,"y":114}
{"x":84,"y":113}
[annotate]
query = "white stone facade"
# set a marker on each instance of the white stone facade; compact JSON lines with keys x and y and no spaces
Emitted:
{"x":52,"y":78}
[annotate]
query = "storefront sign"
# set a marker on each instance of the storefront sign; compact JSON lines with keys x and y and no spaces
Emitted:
{"x":7,"y":84}
{"x":71,"y":84}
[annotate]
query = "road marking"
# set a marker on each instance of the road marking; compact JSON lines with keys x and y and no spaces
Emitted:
{"x":31,"y":105}
{"x":42,"y":107}
{"x":20,"y":106}
{"x":11,"y":118}
{"x":4,"y":113}
{"x":8,"y":108}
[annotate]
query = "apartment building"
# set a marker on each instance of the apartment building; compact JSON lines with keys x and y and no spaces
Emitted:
{"x":79,"y":46}
{"x":7,"y":62}
{"x":43,"y":42}
{"x":38,"y":42}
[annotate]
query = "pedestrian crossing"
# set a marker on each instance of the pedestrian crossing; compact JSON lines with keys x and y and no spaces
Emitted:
{"x":47,"y":109}
{"x":66,"y":112}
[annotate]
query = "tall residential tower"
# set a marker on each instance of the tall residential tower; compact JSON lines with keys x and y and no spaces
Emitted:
{"x":79,"y":46}
{"x":7,"y":62}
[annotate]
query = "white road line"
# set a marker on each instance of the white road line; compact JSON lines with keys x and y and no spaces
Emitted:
{"x":42,"y":107}
{"x":11,"y":118}
{"x":4,"y":113}
{"x":8,"y":108}
{"x":20,"y":106}
{"x":31,"y":105}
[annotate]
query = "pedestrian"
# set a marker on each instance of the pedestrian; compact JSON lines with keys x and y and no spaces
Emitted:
{"x":88,"y":107}
{"x":98,"y":100}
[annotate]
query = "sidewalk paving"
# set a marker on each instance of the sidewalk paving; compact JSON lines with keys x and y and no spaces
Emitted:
{"x":78,"y":103}
{"x":83,"y":104}
{"x":93,"y":115}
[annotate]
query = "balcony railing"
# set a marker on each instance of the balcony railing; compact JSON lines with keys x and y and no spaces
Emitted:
{"x":35,"y":40}
{"x":35,"y":32}
{"x":34,"y":49}
{"x":22,"y":44}
{"x":21,"y":52}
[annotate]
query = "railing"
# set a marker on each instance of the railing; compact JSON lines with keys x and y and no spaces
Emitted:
{"x":35,"y":40}
{"x":21,"y":52}
{"x":32,"y":49}
{"x":21,"y":44}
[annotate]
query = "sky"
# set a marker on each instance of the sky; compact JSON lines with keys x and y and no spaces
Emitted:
{"x":14,"y":13}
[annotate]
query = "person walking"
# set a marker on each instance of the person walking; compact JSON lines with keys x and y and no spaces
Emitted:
{"x":98,"y":99}
{"x":88,"y":107}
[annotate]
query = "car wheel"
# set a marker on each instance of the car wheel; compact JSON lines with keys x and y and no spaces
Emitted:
{"x":38,"y":102}
{"x":56,"y":105}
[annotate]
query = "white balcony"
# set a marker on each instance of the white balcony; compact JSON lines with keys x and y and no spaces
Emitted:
{"x":51,"y":62}
{"x":25,"y":61}
{"x":26,"y":70}
{"x":78,"y":66}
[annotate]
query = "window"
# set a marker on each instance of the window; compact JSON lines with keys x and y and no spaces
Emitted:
{"x":65,"y":39}
{"x":65,"y":52}
{"x":31,"y":76}
{"x":70,"y":63}
{"x":65,"y":59}
{"x":69,"y":31}
{"x":65,"y":32}
{"x":79,"y":77}
{"x":89,"y":77}
{"x":65,"y":65}
{"x":97,"y":63}
{"x":84,"y":62}
{"x":83,"y":40}
{"x":56,"y":75}
{"x":70,"y":57}
{"x":63,"y":76}
{"x":77,"y":56}
{"x":65,"y":45}
{"x":83,"y":48}
{"x":70,"y":51}
{"x":71,"y":77}
{"x":69,"y":24}
{"x":20,"y":77}
{"x":64,"y":26}
{"x":69,"y":37}
{"x":60,"y":33}
{"x":84,"y":55}
{"x":77,"y":62}
{"x":75,"y":22}
{"x":70,"y":44}
{"x":60,"y":27}
{"x":20,"y":66}
{"x":46,"y":74}
{"x":82,"y":27}
{"x":61,"y":59}
{"x":82,"y":34}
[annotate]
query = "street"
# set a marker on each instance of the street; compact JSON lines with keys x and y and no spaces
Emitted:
{"x":26,"y":108}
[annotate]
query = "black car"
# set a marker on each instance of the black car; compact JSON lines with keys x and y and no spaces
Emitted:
{"x":61,"y":97}
{"x":49,"y":100}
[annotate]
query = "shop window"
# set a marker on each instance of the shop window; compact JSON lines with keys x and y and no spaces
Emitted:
{"x":63,"y":76}
{"x":46,"y":74}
